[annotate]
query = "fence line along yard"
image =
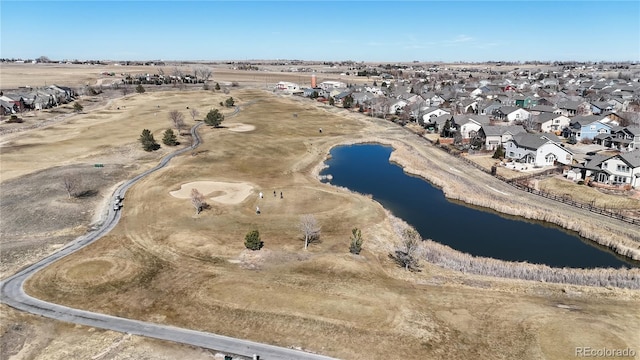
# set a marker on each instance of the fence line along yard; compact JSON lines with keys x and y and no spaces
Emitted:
{"x":518,"y":184}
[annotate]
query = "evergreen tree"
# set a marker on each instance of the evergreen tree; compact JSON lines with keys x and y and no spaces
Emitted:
{"x":77,"y":107}
{"x":252,"y":240}
{"x":347,"y":102}
{"x":229,"y":102}
{"x":214,"y":118}
{"x":217,"y":86}
{"x":148,"y":142}
{"x":169,"y":138}
{"x":140,"y":89}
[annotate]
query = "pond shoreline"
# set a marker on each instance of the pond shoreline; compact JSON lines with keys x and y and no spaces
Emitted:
{"x":409,"y":150}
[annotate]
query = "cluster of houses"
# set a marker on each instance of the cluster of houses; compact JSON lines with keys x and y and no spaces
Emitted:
{"x":25,"y":99}
{"x":532,"y":117}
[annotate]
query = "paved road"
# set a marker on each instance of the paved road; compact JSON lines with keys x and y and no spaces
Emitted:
{"x":12,"y":293}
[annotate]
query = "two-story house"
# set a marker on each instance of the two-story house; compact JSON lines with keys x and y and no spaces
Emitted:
{"x":589,"y":126}
{"x":621,"y":169}
{"x":538,"y":149}
{"x":495,"y":136}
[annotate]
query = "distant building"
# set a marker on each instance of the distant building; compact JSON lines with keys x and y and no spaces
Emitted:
{"x":287,"y":86}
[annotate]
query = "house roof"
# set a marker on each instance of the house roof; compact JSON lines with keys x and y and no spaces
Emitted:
{"x":534,"y":141}
{"x":496,"y":130}
{"x":632,"y":158}
{"x":544,"y":117}
{"x":543,"y":108}
{"x":635,"y":130}
{"x":586,"y":119}
{"x":570,"y":105}
{"x":593,"y":163}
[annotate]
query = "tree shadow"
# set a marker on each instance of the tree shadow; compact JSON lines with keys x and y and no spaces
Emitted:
{"x":86,"y":194}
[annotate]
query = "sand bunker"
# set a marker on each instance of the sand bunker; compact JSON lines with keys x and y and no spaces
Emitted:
{"x":223,"y":192}
{"x":239,"y":127}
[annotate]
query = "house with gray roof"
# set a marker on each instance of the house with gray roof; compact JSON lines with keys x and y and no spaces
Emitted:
{"x":495,"y":136}
{"x":619,"y":170}
{"x":550,"y":122}
{"x":538,"y":150}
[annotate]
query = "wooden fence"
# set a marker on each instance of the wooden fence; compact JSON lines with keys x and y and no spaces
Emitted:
{"x":519,"y":183}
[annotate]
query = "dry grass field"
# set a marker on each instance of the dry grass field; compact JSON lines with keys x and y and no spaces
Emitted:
{"x":165,"y":264}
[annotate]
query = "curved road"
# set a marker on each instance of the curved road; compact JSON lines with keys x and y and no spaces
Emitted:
{"x":12,"y":293}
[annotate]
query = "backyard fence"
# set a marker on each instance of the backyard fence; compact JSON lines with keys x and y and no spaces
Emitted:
{"x":520,"y":184}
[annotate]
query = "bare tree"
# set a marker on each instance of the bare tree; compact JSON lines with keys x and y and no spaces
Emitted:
{"x":310,"y":229}
{"x":193,"y":112}
{"x":71,"y":184}
{"x":177,"y":118}
{"x":407,"y":252}
{"x":204,"y":73}
{"x":197,"y":200}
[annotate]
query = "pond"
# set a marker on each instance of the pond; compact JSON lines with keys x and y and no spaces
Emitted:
{"x":366,"y":169}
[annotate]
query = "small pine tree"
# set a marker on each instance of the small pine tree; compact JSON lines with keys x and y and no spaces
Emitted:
{"x":77,"y":107}
{"x":217,"y":86}
{"x":499,"y":153}
{"x":229,"y":102}
{"x":252,"y":240}
{"x":169,"y":138}
{"x":140,"y":89}
{"x":356,"y":241}
{"x":148,"y":142}
{"x":214,"y":118}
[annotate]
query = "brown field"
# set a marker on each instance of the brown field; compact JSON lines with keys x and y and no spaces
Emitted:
{"x":164,"y":264}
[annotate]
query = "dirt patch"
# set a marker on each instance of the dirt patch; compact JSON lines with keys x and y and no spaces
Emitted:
{"x":239,"y":127}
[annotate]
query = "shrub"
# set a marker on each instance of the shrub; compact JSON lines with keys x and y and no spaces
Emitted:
{"x":356,"y":241}
{"x":499,"y":153}
{"x":14,"y":119}
{"x":252,"y":240}
{"x":77,"y":107}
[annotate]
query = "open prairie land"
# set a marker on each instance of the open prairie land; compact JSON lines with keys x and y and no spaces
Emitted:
{"x":163,"y":263}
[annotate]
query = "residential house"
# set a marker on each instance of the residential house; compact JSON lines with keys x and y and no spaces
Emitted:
{"x":489,"y":108}
{"x":587,"y":127}
{"x":510,"y":114}
{"x":437,"y":124}
{"x":432,"y":99}
{"x":621,"y":169}
{"x":550,"y":122}
{"x":539,"y":109}
{"x":470,"y":125}
{"x":468,"y":106}
{"x":525,"y":101}
{"x":599,"y":107}
{"x":572,"y":108}
{"x":362,"y":97}
{"x":620,"y":138}
{"x":538,"y":149}
{"x":432,"y":112}
{"x":495,"y":136}
{"x":397,"y":105}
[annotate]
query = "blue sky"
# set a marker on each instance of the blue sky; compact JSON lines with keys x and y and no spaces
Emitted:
{"x":384,"y":31}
